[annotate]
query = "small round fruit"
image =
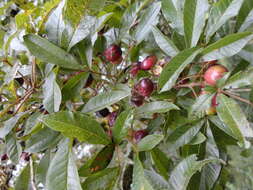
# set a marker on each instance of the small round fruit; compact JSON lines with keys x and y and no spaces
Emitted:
{"x":4,"y":157}
{"x":113,"y":53}
{"x":140,"y":134}
{"x":211,"y":111}
{"x":148,"y":62}
{"x":112,"y":118}
{"x":145,"y":87}
{"x":214,"y":73}
{"x":137,"y":100}
{"x":135,"y":69}
{"x":103,"y":113}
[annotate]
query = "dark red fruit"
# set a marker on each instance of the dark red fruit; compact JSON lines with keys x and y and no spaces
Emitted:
{"x":113,"y":53}
{"x":145,"y":87}
{"x":89,"y":81}
{"x":4,"y":157}
{"x":112,"y":118}
{"x":214,"y":73}
{"x":148,"y":62}
{"x":103,"y":113}
{"x":137,"y":100}
{"x":135,"y":69}
{"x":138,"y":135}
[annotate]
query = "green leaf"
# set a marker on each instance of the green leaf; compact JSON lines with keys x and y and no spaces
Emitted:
{"x":173,"y":12}
{"x":10,"y":124}
{"x":157,"y":181}
{"x":240,"y":79}
{"x":122,"y":125}
{"x":104,"y":180}
{"x":220,"y":13}
{"x":77,"y":125}
{"x":148,"y":19}
{"x":128,"y":18}
{"x":24,"y":180}
{"x":211,"y":171}
{"x":44,"y":139}
{"x":149,"y":142}
{"x":52,"y":94}
{"x":194,"y":20}
{"x":232,"y":115}
{"x":42,"y":168}
{"x":62,"y":172}
{"x":184,"y":134}
{"x":201,"y":104}
{"x":247,"y":53}
{"x":183,"y":172}
{"x":74,"y":85}
{"x":13,"y":148}
{"x":248,"y":23}
{"x":50,"y":53}
{"x":172,"y":70}
{"x":156,"y":107}
{"x":161,"y":162}
{"x":98,"y":162}
{"x":105,"y":99}
{"x":198,"y":139}
{"x":164,"y":43}
{"x":139,"y":180}
{"x":244,"y":12}
{"x":227,"y":46}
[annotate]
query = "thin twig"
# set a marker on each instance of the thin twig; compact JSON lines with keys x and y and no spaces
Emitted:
{"x":238,"y":98}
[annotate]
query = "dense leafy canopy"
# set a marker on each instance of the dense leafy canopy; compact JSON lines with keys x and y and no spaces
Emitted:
{"x":71,"y":80}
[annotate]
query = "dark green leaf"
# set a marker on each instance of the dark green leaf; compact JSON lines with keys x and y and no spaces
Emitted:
{"x":122,"y":125}
{"x":194,"y":20}
{"x":42,"y":168}
{"x":13,"y":148}
{"x":244,"y":12}
{"x":172,"y":70}
{"x":164,"y":43}
{"x":23,"y":181}
{"x":77,"y":125}
{"x":50,"y":53}
{"x":149,"y":142}
{"x":62,"y":172}
{"x":105,"y":99}
{"x":104,"y":180}
{"x":227,"y":46}
{"x":232,"y":115}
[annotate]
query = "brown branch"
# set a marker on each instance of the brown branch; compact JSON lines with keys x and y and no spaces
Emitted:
{"x":237,"y":97}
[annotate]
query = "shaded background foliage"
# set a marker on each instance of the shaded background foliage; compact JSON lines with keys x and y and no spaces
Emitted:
{"x":55,"y":79}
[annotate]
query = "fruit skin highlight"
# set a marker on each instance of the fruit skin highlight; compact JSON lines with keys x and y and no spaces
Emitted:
{"x":148,"y":62}
{"x":145,"y":87}
{"x":214,"y":73}
{"x":113,"y":54}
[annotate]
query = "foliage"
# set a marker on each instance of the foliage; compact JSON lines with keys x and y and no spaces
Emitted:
{"x":59,"y":93}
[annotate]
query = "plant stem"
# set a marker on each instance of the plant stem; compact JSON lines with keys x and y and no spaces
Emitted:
{"x":237,"y":97}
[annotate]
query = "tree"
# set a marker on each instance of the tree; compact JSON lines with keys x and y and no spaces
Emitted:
{"x":157,"y":88}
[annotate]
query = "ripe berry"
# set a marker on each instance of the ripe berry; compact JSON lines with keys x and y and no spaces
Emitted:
{"x":214,"y":73}
{"x":136,"y":99}
{"x":103,"y":113}
{"x":113,"y":53}
{"x":112,"y":118}
{"x":140,"y":134}
{"x":148,"y":62}
{"x":135,"y":69}
{"x":25,"y":156}
{"x":145,"y":87}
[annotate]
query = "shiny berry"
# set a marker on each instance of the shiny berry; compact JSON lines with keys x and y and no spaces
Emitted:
{"x":103,"y":113}
{"x":148,"y":62}
{"x":135,"y":69}
{"x":214,"y":73}
{"x":137,"y":100}
{"x":140,"y":134}
{"x":113,"y":53}
{"x":112,"y":118}
{"x":145,"y":87}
